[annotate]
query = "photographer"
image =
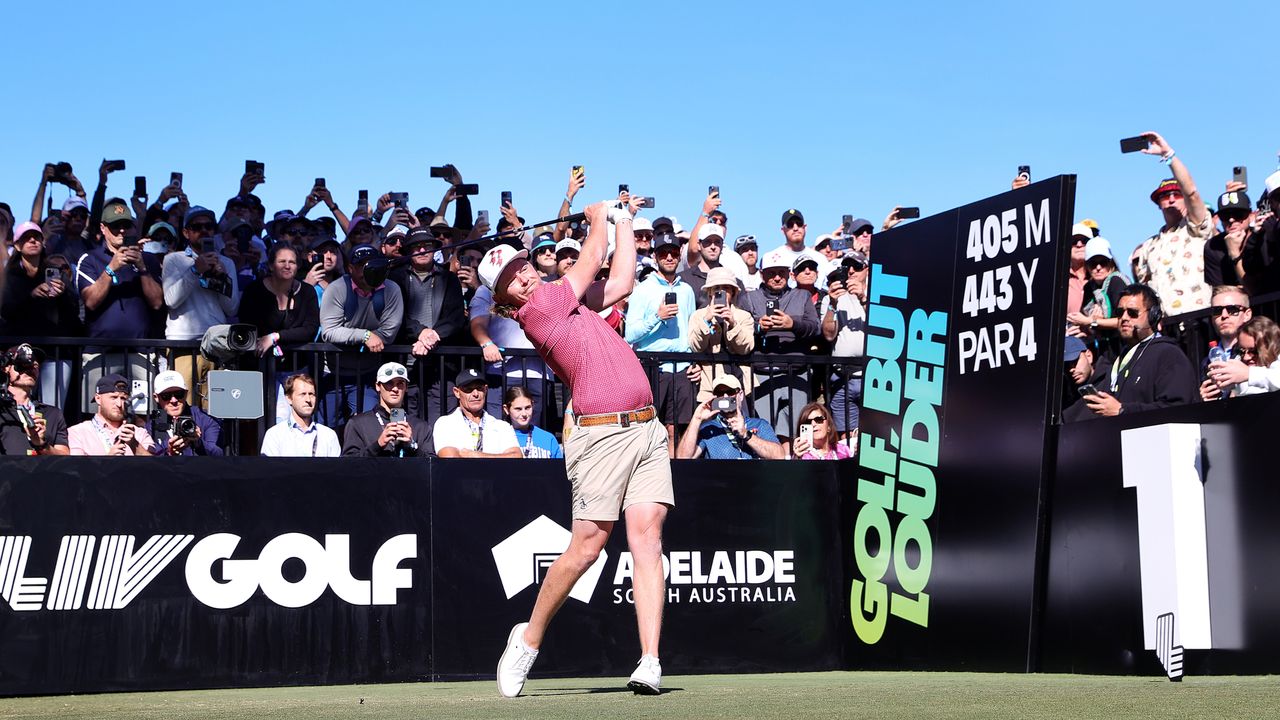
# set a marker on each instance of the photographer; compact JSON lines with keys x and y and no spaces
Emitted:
{"x":721,"y":327}
{"x":107,"y":433}
{"x":844,"y":324}
{"x":387,"y":430}
{"x":178,"y":428}
{"x":719,"y":430}
{"x":28,"y":427}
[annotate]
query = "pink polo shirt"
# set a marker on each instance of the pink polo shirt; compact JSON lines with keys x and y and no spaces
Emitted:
{"x":93,"y":437}
{"x":601,"y":369}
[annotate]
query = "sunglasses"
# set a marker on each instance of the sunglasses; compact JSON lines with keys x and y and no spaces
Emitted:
{"x":1244,"y":352}
{"x":1233,"y":217}
{"x":393,"y":240}
{"x":815,"y":420}
{"x":1079,"y":240}
{"x":169,"y":395}
{"x":863,"y":231}
{"x":1133,"y":313}
{"x":725,"y":392}
{"x":33,"y":237}
{"x":473,"y":388}
{"x":1231,"y":310}
{"x":793,"y":225}
{"x":201,"y":227}
{"x":120,"y":227}
{"x":547,"y":250}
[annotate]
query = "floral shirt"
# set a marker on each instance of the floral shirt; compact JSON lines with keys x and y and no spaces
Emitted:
{"x":1172,"y":263}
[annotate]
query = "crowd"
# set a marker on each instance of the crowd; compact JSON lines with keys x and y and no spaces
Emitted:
{"x":773,"y":337}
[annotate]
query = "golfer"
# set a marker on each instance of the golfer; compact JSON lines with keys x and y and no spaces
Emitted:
{"x":616,"y":458}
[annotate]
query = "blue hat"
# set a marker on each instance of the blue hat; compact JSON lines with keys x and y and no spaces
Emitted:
{"x":544,"y":241}
{"x":1072,"y":349}
{"x":363,"y":253}
{"x":196,"y":211}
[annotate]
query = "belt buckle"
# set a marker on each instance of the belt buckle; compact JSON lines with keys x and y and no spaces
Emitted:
{"x":624,"y":419}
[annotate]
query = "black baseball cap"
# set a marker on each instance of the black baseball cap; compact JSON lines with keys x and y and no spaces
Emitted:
{"x":420,"y":236}
{"x":792,"y":214}
{"x":112,"y":383}
{"x":467,"y":377}
{"x":1234,"y":201}
{"x":662,"y":239}
{"x":664,"y":221}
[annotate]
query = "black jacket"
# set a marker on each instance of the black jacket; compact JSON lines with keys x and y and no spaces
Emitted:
{"x":32,"y":317}
{"x":447,"y":314}
{"x":1159,"y":375}
{"x":297,"y":324}
{"x":1261,"y":255}
{"x":360,"y":438}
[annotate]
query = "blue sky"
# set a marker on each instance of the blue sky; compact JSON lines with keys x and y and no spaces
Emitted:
{"x":832,"y":108}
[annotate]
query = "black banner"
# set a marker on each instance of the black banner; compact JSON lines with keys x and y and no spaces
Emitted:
{"x":964,"y":349}
{"x":132,"y":574}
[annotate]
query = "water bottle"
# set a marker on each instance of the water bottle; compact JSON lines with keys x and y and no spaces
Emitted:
{"x":1217,"y":353}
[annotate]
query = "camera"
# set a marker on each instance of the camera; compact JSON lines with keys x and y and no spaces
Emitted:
{"x":184,"y":426}
{"x":724,"y":405}
{"x":225,"y":342}
{"x":22,"y":358}
{"x":216,"y":283}
{"x":61,"y":172}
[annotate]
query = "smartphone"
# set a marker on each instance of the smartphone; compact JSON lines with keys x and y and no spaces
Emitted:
{"x":364,"y":197}
{"x":713,"y":190}
{"x":724,"y":405}
{"x":670,"y":299}
{"x":623,"y":188}
{"x":253,"y":167}
{"x":469,"y":189}
{"x":51,"y":274}
{"x":720,"y":298}
{"x":648,"y":203}
{"x":398,"y":415}
{"x":806,"y":433}
{"x":506,"y":198}
{"x":1087,"y":389}
{"x":1134,"y":144}
{"x":1024,"y":171}
{"x":175,"y":179}
{"x":482,"y":217}
{"x":846,"y":222}
{"x":441,"y":171}
{"x":139,"y":186}
{"x":207,"y":245}
{"x":1240,"y":174}
{"x":908,"y":213}
{"x":129,"y":241}
{"x":114,"y":165}
{"x":400,"y":199}
{"x":579,"y":170}
{"x":319,"y":182}
{"x":770,"y":306}
{"x":840,"y":244}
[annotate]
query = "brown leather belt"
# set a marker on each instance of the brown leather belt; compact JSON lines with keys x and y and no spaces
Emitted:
{"x":644,"y":414}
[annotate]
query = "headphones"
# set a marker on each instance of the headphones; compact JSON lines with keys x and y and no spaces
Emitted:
{"x":1152,"y":300}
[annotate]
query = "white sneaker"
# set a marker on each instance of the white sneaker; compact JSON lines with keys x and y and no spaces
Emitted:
{"x":647,"y":679}
{"x":513,"y":666}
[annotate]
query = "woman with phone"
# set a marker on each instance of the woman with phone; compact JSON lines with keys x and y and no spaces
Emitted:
{"x":815,"y":438}
{"x":721,"y":327}
{"x":38,"y":300}
{"x":285,"y":311}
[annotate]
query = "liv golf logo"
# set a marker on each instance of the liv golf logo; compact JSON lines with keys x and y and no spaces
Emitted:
{"x":693,"y":576}
{"x":108,"y":573}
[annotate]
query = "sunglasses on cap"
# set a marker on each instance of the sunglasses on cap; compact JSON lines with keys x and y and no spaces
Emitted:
{"x":1231,"y":310}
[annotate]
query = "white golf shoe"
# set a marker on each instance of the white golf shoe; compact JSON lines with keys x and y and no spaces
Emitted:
{"x":513,"y":666}
{"x":647,"y":679}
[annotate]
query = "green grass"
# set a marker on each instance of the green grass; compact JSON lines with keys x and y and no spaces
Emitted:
{"x":796,"y":696}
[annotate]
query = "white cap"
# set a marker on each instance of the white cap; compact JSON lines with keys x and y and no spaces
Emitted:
{"x":568,"y":244}
{"x":825,"y":237}
{"x":710,"y":229}
{"x":1082,"y":230}
{"x":168,"y":380}
{"x":73,"y":202}
{"x":775,"y":259}
{"x":1098,"y":246}
{"x":400,"y":230}
{"x":392,"y":370}
{"x":1272,"y":183}
{"x":642,"y":224}
{"x":497,"y":260}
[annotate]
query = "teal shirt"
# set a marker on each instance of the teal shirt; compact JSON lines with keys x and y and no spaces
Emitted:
{"x":646,"y":333}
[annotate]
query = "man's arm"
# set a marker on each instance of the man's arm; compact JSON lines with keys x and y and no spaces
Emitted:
{"x":1197,"y":213}
{"x":693,"y":251}
{"x":764,"y":443}
{"x":688,"y":447}
{"x":583,"y":274}
{"x":179,"y":281}
{"x":37,"y":205}
{"x":96,"y":291}
{"x":622,"y":269}
{"x":332,"y":319}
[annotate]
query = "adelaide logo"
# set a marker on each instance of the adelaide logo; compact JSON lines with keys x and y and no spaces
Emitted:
{"x":523,"y":558}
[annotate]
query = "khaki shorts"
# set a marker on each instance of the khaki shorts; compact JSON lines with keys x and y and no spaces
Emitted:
{"x":611,"y":468}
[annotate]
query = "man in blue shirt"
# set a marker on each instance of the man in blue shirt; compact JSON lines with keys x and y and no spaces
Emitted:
{"x":171,"y":404}
{"x":725,"y":434}
{"x":658,"y":321}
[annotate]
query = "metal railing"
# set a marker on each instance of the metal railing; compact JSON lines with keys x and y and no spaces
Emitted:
{"x":1194,"y":330}
{"x":778,"y":385}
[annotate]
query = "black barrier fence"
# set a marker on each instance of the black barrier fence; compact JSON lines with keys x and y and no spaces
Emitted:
{"x":345,"y":378}
{"x":263,"y":571}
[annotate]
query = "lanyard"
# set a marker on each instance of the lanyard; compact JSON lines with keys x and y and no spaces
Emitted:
{"x":477,"y":430}
{"x":1122,"y":365}
{"x":108,"y":439}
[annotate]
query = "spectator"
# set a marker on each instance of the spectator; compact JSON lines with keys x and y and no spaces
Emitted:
{"x":1255,"y":367}
{"x":118,"y":296}
{"x":466,"y":261}
{"x":711,"y":243}
{"x":1224,"y":252}
{"x":727,"y":434}
{"x":644,"y":237}
{"x":324,"y":261}
{"x":534,"y":442}
{"x":721,"y":327}
{"x":300,"y":435}
{"x":815,"y":436}
{"x":1152,"y":372}
{"x":861,"y":231}
{"x":747,"y":249}
{"x":6,"y":231}
{"x":200,"y":290}
{"x":712,"y":223}
{"x":1231,"y":310}
{"x":804,"y":272}
{"x":107,"y":432}
{"x":1077,"y":276}
{"x":495,"y":333}
{"x":567,"y":252}
{"x":657,"y":320}
{"x":1079,"y":369}
{"x":394,"y":238}
{"x":469,"y":431}
{"x":28,"y":427}
{"x":793,"y":231}
{"x":377,"y":433}
{"x":163,"y":427}
{"x":364,"y":311}
{"x":283,"y":309}
{"x":1097,"y":318}
{"x":434,"y":314}
{"x":1261,"y":263}
{"x":359,"y":232}
{"x":320,"y":194}
{"x":76,"y":238}
{"x":844,"y":323}
{"x":1172,"y":260}
{"x":544,"y":257}
{"x":787,"y":323}
{"x":37,"y":299}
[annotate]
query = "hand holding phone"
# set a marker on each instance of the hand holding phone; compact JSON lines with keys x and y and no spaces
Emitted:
{"x":1134,"y":144}
{"x":1087,"y":389}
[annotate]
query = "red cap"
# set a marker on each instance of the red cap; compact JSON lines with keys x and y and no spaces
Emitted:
{"x":1169,"y":185}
